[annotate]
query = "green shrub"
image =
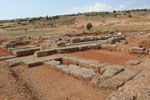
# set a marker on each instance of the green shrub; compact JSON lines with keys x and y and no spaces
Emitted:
{"x":89,"y":26}
{"x":129,"y":15}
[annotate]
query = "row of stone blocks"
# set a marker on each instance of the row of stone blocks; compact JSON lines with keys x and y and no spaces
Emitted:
{"x":25,"y":52}
{"x":14,"y":43}
{"x":87,"y":38}
{"x":137,"y":89}
{"x":76,"y":48}
{"x":139,"y":50}
{"x":116,"y":38}
{"x":96,"y":73}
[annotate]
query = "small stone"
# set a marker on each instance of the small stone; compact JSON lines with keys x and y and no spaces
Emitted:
{"x":134,"y":62}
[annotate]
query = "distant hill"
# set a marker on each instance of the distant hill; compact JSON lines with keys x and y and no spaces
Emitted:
{"x":138,"y":19}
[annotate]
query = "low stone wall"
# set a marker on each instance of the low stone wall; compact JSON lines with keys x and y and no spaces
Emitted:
{"x":110,"y":77}
{"x":33,"y":63}
{"x":88,"y":38}
{"x":43,"y":53}
{"x":97,"y":66}
{"x":14,"y":43}
{"x":136,"y":50}
{"x":68,"y":49}
{"x":25,"y":52}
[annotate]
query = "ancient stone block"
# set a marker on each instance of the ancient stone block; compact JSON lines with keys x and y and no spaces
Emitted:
{"x":78,"y":72}
{"x":58,"y":44}
{"x":7,"y":57}
{"x":33,"y":63}
{"x":43,"y":53}
{"x":137,"y":50}
{"x":117,"y":80}
{"x":84,"y":63}
{"x":52,"y":63}
{"x":133,"y":62}
{"x":111,"y":70}
{"x":25,"y":52}
{"x":14,"y":63}
{"x":83,"y":47}
{"x":75,"y":40}
{"x":68,"y":49}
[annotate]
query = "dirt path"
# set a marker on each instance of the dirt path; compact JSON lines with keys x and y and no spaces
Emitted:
{"x":54,"y":85}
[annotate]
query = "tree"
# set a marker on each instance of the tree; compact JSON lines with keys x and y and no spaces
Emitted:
{"x":89,"y":26}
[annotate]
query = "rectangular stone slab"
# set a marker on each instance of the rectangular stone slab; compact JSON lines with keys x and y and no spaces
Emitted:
{"x":25,"y":52}
{"x":136,"y":50}
{"x":111,"y":70}
{"x":43,"y":53}
{"x":7,"y":57}
{"x":68,"y":49}
{"x":117,"y":80}
{"x":30,"y":63}
{"x":76,"y":71}
{"x":83,"y":63}
{"x":52,"y":63}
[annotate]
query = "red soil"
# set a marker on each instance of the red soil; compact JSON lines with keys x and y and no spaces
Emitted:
{"x":3,"y":52}
{"x":53,"y":85}
{"x":105,"y":56}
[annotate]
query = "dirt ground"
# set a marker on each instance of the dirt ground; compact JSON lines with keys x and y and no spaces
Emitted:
{"x":3,"y":52}
{"x":12,"y":88}
{"x":44,"y":83}
{"x":53,"y":85}
{"x":106,"y":56}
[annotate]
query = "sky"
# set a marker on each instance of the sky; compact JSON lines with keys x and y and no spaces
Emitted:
{"x":11,"y":9}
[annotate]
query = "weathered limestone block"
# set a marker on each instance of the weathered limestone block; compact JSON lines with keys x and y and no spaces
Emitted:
{"x":103,"y":37}
{"x":75,"y":40}
{"x":25,"y":52}
{"x":135,"y":89}
{"x":7,"y":57}
{"x":97,"y":66}
{"x":43,"y":53}
{"x":113,"y":40}
{"x":69,"y":60}
{"x":117,"y":80}
{"x":14,"y":63}
{"x":76,"y":71}
{"x":133,"y":62}
{"x":68,"y":49}
{"x":136,"y":50}
{"x":83,"y":47}
{"x":94,"y":46}
{"x":111,"y":70}
{"x":58,"y":44}
{"x":33,"y":63}
{"x":14,"y":43}
{"x":47,"y":44}
{"x":52,"y":63}
{"x":12,"y":49}
{"x":7,"y":45}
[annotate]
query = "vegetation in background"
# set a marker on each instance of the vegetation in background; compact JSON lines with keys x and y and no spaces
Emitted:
{"x":129,"y":15}
{"x":89,"y":26}
{"x":103,"y":14}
